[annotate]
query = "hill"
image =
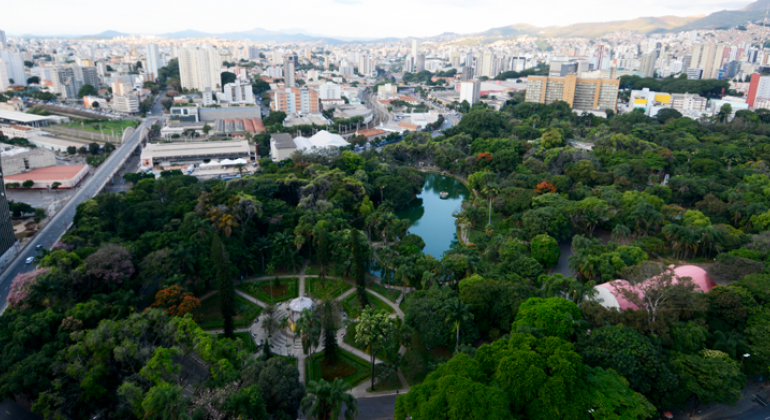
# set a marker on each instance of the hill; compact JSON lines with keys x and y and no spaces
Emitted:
{"x":754,"y":12}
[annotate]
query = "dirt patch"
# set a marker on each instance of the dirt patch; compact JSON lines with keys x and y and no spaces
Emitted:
{"x":277,"y":291}
{"x":340,"y":369}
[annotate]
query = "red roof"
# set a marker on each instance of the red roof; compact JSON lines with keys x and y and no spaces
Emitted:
{"x":51,"y":173}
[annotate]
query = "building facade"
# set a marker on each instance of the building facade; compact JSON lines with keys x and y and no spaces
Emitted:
{"x":296,"y":101}
{"x":583,"y":94}
{"x":239,"y":92}
{"x":199,"y":68}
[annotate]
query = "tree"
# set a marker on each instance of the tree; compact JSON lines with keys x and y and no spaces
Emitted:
{"x":456,"y":314}
{"x":175,"y":301}
{"x":375,"y":330}
{"x":87,"y":90}
{"x":28,"y":183}
{"x":325,"y":400}
{"x":710,"y":376}
{"x":322,"y":252}
{"x":552,"y":138}
{"x":330,"y":323}
{"x":224,"y":284}
{"x":554,"y":316}
{"x":309,"y":329}
{"x":95,"y":105}
{"x":545,"y":250}
{"x":72,"y":150}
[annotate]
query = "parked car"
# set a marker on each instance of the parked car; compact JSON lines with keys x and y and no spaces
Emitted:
{"x":30,"y":260}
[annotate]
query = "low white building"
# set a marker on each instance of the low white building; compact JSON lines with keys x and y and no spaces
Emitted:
{"x":239,"y":92}
{"x":329,"y":90}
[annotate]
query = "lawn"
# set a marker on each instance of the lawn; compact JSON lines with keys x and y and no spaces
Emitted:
{"x":270,"y":293}
{"x":106,"y":126}
{"x":333,"y":288}
{"x":419,"y":361}
{"x":390,"y":294}
{"x":351,"y":369}
{"x":353,"y":309}
{"x":209,"y":316}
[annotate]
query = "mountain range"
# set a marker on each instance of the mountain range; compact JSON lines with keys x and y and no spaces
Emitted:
{"x":754,"y":12}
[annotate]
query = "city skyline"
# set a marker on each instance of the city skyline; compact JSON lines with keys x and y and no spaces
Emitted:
{"x":435,"y":17}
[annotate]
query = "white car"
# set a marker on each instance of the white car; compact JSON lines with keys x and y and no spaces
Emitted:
{"x":30,"y":260}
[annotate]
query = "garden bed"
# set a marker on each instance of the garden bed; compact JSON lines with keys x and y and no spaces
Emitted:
{"x":351,"y":369}
{"x":333,"y":289}
{"x":209,"y":316}
{"x":266,"y":291}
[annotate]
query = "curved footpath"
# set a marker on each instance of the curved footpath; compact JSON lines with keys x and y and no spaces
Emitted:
{"x":295,"y":349}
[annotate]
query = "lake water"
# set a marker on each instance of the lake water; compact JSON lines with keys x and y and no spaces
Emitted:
{"x":431,"y":215}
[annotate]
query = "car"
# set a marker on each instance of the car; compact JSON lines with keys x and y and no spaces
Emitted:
{"x":254,"y":335}
{"x":39,"y":247}
{"x":280,"y":303}
{"x":30,"y":260}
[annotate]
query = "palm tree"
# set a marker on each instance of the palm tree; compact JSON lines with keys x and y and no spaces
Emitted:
{"x":620,"y":232}
{"x":309,"y":330}
{"x":489,"y":191}
{"x":646,"y":216}
{"x":457,"y":313}
{"x":240,"y":167}
{"x":263,"y":245}
{"x":324,"y":400}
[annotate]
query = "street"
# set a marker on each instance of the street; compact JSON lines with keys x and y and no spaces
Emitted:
{"x":61,"y":222}
{"x":378,"y":408}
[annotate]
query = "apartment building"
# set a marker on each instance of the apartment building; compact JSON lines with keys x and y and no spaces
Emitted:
{"x":582,"y":94}
{"x":200,"y":67}
{"x":153,"y":61}
{"x":296,"y":101}
{"x":239,"y":92}
{"x":470,"y":91}
{"x":708,"y":57}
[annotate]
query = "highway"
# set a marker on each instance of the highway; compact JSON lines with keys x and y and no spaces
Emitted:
{"x":55,"y":228}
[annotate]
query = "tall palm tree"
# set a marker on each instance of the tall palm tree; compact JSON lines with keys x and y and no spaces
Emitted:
{"x":325,"y":400}
{"x":309,"y":330}
{"x":646,"y":216}
{"x":262,"y":246}
{"x":457,"y":313}
{"x":489,"y":191}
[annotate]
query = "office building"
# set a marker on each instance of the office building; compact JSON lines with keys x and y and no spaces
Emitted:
{"x":295,"y":101}
{"x":253,"y":52}
{"x":708,"y":57}
{"x":454,"y":59}
{"x":329,"y":90}
{"x":64,"y":82}
{"x":4,"y":83}
{"x":153,"y":61}
{"x":200,"y":68}
{"x":14,"y":64}
{"x":470,"y":91}
{"x":289,"y":72}
{"x":582,"y":94}
{"x":694,"y":74}
{"x":85,"y":76}
{"x":3,"y":40}
{"x":239,"y":92}
{"x":486,"y":65}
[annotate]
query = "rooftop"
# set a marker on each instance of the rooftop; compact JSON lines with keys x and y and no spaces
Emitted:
{"x":167,"y":150}
{"x":282,"y":141}
{"x":55,"y":173}
{"x":21,"y":117}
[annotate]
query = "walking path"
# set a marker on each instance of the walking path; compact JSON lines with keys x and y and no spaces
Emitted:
{"x":285,"y":343}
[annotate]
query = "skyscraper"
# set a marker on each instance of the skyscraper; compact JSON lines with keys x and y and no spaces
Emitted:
{"x":414,"y":48}
{"x":153,"y":61}
{"x":419,"y":63}
{"x":708,"y":57}
{"x":4,"y":83}
{"x":648,"y":64}
{"x":2,"y":39}
{"x":200,"y":67}
{"x":289,"y":68}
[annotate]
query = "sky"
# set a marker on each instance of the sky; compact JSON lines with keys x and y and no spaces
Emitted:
{"x":340,"y":18}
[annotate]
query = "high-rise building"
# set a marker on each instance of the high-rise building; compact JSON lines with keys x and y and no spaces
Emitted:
{"x":7,"y":236}
{"x":454,"y":59}
{"x":3,"y":40}
{"x":470,"y":91}
{"x":708,"y":57}
{"x":253,"y":52}
{"x":4,"y":83}
{"x":295,"y":101}
{"x":153,"y":61}
{"x":329,"y":90}
{"x":583,"y":94}
{"x":414,"y":48}
{"x":64,"y":82}
{"x":419,"y":63}
{"x":289,"y":70}
{"x":409,"y":64}
{"x":200,"y":67}
{"x":487,"y":65}
{"x":648,"y":64}
{"x":14,"y":64}
{"x":239,"y":92}
{"x":365,"y":65}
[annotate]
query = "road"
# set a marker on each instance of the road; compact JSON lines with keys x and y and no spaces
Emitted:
{"x":56,"y":227}
{"x":378,"y":408}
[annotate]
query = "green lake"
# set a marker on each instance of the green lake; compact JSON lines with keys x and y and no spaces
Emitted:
{"x":431,"y":215}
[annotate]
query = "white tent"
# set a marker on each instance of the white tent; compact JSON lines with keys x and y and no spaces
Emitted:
{"x":320,"y":140}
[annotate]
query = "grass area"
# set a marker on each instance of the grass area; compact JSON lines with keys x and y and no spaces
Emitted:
{"x":314,"y":270}
{"x":351,"y":369}
{"x":289,"y":360}
{"x":419,"y":361}
{"x":390,"y":294}
{"x":209,"y":315}
{"x":270,"y":293}
{"x":353,"y":309}
{"x":333,"y":287}
{"x":105,"y":125}
{"x":350,"y":339}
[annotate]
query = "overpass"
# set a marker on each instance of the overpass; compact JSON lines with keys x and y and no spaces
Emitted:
{"x":62,"y":221}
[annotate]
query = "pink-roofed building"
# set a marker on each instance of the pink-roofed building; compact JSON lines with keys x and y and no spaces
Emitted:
{"x":610,"y":297}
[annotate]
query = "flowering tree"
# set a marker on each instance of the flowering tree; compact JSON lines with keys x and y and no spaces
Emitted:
{"x":111,"y":264}
{"x":545,"y":187}
{"x":175,"y":301}
{"x":22,"y":286}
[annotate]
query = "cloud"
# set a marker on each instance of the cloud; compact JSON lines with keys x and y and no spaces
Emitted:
{"x":347,"y":2}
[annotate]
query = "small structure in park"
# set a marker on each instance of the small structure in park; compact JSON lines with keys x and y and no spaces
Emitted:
{"x":296,"y":306}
